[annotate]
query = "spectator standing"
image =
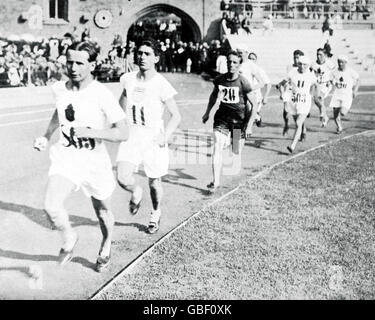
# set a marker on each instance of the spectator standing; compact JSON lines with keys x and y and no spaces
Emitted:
{"x":246,"y":23}
{"x":13,"y":75}
{"x":85,"y":34}
{"x":221,"y":62}
{"x":268,"y":25}
{"x":327,"y":27}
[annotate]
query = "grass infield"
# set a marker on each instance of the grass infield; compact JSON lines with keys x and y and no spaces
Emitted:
{"x":304,"y":231}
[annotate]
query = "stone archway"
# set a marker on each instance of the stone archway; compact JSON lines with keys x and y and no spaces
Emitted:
{"x":187,"y":20}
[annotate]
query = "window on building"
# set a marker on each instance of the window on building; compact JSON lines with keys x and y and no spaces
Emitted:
{"x":58,"y":9}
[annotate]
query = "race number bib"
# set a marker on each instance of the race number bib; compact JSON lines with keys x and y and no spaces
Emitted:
{"x":229,"y":94}
{"x":138,"y":115}
{"x":299,"y":98}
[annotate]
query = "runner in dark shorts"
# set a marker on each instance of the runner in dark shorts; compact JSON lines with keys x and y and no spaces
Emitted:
{"x":232,"y":117}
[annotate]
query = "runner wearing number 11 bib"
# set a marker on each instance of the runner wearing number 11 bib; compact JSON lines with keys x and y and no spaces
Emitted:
{"x":145,"y":95}
{"x":301,"y":82}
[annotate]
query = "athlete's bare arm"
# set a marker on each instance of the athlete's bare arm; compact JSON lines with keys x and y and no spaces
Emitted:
{"x":175,"y":119}
{"x":117,"y":133}
{"x":260,"y":81}
{"x":266,"y":91}
{"x":53,"y":125}
{"x":41,"y":143}
{"x":281,"y":87}
{"x":248,"y":112}
{"x":211,"y":103}
{"x":355,"y":88}
{"x":123,"y":100}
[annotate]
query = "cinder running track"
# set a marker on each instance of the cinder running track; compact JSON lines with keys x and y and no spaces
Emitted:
{"x":26,"y":239}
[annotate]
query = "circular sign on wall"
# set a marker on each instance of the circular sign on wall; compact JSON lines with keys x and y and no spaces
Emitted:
{"x":103,"y":18}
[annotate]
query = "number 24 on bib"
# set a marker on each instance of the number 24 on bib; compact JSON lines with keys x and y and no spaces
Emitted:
{"x":229,"y":94}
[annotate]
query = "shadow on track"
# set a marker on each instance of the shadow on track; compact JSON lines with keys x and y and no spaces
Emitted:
{"x":40,"y":217}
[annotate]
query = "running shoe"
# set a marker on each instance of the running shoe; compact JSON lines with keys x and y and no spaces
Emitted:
{"x":258,"y":121}
{"x":211,"y":188}
{"x":153,"y":227}
{"x":102,"y":263}
{"x":66,"y":256}
{"x":325,"y":122}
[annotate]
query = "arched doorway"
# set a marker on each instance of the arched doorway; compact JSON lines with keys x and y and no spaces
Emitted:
{"x":148,"y":20}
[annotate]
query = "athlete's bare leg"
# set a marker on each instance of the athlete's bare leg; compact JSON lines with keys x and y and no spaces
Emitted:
{"x":106,"y":222}
{"x":319,"y":101}
{"x":299,"y":119}
{"x":217,"y":158}
{"x":156,"y":193}
{"x":286,"y":119}
{"x":58,"y":190}
{"x":337,"y":118}
{"x":126,"y":180}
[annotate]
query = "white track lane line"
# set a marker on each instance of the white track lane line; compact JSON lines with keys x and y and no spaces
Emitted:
{"x":10,"y":124}
{"x":149,"y":250}
{"x":11,"y":114}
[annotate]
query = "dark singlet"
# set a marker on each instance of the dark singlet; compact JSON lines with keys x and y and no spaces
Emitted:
{"x":232,"y":98}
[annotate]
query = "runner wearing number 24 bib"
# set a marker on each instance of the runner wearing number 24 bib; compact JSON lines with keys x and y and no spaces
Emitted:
{"x":232,"y":118}
{"x":145,"y":95}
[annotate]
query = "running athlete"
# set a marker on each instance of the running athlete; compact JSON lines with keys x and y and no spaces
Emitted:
{"x":345,"y":82}
{"x":323,"y":69}
{"x":301,"y":82}
{"x":86,"y":114}
{"x":254,"y":75}
{"x":232,"y":117}
{"x":285,"y":90}
{"x":261,"y":97}
{"x":145,"y":94}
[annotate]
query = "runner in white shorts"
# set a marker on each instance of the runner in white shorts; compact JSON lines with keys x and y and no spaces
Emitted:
{"x":261,"y":97}
{"x":285,"y":90}
{"x":323,"y":68}
{"x":253,"y":74}
{"x":345,"y":83}
{"x":86,"y":114}
{"x":145,"y":94}
{"x":302,"y":81}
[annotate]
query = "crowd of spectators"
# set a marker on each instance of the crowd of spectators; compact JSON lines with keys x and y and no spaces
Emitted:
{"x":41,"y":63}
{"x":35,"y":63}
{"x":160,"y":29}
{"x":236,"y":11}
{"x":175,"y":56}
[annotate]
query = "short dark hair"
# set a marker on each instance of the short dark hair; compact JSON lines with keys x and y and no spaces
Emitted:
{"x":298,"y":52}
{"x":322,"y":50}
{"x":87,"y":46}
{"x":154,"y":45}
{"x":235,"y":53}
